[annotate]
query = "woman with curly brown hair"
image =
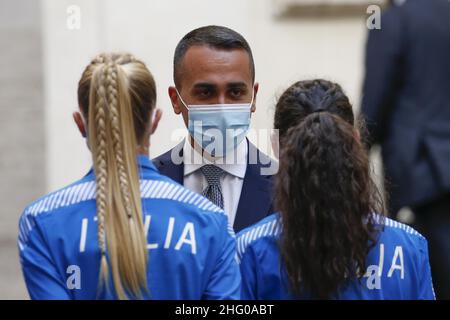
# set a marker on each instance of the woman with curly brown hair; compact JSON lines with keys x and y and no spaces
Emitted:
{"x":329,"y":239}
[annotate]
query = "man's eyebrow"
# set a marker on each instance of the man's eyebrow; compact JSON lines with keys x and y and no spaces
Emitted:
{"x":204,"y":85}
{"x":237,"y":85}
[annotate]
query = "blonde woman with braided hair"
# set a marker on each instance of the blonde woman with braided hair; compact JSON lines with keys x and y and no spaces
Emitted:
{"x":124,"y":231}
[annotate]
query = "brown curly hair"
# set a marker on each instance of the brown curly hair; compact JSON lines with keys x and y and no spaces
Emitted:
{"x":324,"y":190}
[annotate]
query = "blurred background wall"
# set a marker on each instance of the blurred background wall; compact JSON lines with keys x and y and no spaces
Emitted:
{"x":23,"y":147}
{"x":42,"y":60}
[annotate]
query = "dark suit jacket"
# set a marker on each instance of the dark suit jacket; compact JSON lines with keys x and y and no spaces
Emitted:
{"x":255,"y":202}
{"x":406,"y":99}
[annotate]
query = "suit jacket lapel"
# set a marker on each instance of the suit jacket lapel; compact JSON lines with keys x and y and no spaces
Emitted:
{"x":255,"y":201}
{"x":169,"y":168}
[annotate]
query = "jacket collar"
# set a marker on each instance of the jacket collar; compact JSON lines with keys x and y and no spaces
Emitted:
{"x":144,"y":164}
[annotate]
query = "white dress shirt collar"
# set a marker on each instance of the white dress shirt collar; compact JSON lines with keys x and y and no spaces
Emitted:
{"x":234,"y":163}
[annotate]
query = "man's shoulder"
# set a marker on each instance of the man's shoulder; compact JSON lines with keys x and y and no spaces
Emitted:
{"x":268,"y":166}
{"x":172,"y":156}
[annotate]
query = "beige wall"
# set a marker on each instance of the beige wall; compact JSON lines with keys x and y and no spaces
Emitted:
{"x":22,"y":143}
{"x":284,"y":50}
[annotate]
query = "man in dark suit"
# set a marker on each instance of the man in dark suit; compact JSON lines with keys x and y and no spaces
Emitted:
{"x":214,"y":77}
{"x":406,"y":103}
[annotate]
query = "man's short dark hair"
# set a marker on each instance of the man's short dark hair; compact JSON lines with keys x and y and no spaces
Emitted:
{"x":216,"y":37}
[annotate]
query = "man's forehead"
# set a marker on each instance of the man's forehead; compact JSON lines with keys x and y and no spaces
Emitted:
{"x":215,"y":54}
{"x":207,"y":64}
{"x":231,"y":84}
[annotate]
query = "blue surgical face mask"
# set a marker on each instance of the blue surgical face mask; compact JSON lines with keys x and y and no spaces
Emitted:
{"x":218,"y":128}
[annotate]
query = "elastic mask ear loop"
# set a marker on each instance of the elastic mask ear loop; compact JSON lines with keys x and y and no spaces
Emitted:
{"x":182,"y":101}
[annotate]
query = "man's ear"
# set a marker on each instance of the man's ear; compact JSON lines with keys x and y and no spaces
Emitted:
{"x":78,"y":118}
{"x":255,"y":92}
{"x":176,"y":104}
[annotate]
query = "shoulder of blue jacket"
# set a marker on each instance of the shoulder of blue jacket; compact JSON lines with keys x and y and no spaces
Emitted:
{"x":85,"y":190}
{"x":168,"y":189}
{"x":73,"y":193}
{"x":267,"y":227}
{"x":397,"y":227}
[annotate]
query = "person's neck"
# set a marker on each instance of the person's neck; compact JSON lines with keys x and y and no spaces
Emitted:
{"x":143,"y":151}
